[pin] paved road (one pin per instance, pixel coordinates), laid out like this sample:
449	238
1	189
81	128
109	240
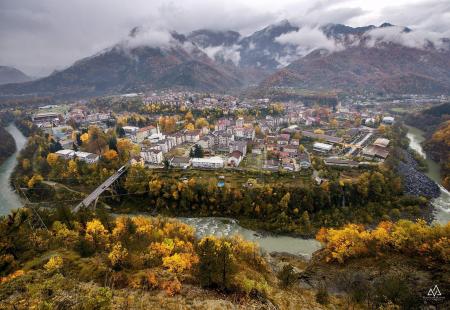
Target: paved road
99	190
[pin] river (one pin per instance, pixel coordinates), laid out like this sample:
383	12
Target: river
442	203
204	226
271	243
8	198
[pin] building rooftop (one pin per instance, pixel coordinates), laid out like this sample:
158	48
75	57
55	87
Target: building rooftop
212	160
65	152
322	146
381	142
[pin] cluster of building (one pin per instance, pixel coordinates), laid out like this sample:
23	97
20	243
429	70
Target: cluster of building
232	139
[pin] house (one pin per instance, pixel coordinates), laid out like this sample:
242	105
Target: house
66	154
208	162
304	160
282	140
180	162
375	152
248	133
193	135
177	138
152	155
223	138
131	130
235	158
143	133
87	157
258	149
295	142
388	120
381	142
206	142
223	124
322	147
238	145
289	166
50	117
164	145
292	150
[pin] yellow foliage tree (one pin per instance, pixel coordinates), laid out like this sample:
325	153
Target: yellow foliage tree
52	159
54	263
97	234
201	122
118	255
84	138
35	179
190	126
110	155
179	262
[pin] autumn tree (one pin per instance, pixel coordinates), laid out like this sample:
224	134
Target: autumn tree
110	155
216	262
35	179
201	122
118	255
125	149
52	159
137	179
97	140
97	235
190	126
55	263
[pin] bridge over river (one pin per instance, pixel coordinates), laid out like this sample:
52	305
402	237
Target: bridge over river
103	187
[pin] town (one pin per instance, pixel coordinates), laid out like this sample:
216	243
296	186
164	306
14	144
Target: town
279	136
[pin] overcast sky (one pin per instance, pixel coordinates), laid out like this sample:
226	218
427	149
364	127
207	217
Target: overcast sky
39	36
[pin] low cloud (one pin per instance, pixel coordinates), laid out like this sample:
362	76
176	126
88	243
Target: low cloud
225	53
151	37
415	39
307	39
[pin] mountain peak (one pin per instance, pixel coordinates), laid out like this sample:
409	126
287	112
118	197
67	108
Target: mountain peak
12	75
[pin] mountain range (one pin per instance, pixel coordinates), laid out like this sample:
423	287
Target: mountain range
383	59
12	75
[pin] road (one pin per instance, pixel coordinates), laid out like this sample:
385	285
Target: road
99	190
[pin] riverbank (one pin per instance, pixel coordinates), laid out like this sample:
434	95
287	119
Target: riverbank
9	200
441	204
7	145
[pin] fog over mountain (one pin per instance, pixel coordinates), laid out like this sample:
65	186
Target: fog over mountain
383	58
38	37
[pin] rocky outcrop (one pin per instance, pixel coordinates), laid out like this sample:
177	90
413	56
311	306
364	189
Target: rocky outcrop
415	182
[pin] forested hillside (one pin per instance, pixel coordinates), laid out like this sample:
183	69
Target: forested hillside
7	143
